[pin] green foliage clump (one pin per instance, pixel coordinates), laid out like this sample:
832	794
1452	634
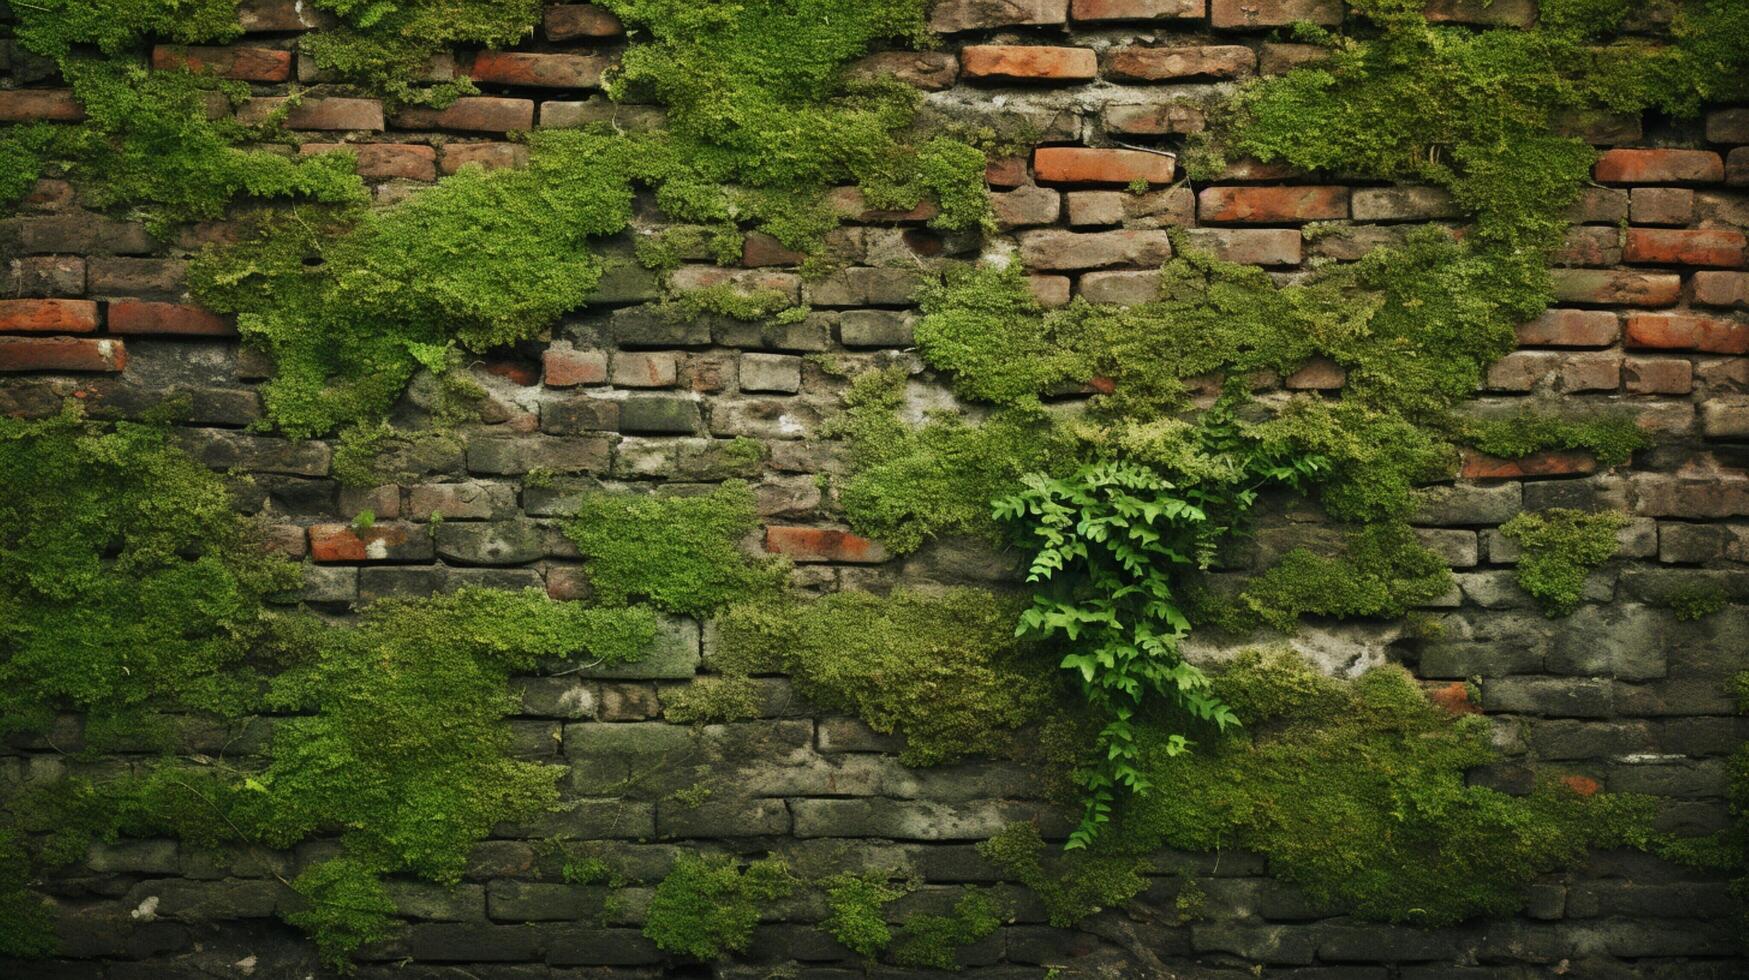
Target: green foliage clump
129	586
709	904
1560	547
26	925
1356	792
1612	439
1692	602
944	670
681	553
388	47
52	28
1071	886
370	455
351	305
345	907
928	940
1384	570
855	902
909	483
712	699
1475	112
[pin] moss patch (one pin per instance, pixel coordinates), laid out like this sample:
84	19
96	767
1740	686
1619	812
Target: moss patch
708	905
1560	547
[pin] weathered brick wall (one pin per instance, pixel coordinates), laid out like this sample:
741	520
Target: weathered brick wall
1651	290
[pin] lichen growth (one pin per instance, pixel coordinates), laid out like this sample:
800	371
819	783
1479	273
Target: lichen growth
1559	548
708	904
943	670
679	552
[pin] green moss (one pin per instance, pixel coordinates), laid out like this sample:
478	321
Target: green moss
1384	570
708	905
1692	602
856	918
129	587
1071	886
927	940
345	907
909	483
681	553
1356	792
943	670
1559	548
712	699
52	28
26	922
1612	439
388	47
371	455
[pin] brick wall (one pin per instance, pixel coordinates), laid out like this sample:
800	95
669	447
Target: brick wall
1653	282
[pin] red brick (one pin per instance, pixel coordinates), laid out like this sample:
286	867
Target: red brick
138	316
1616	287
1454	699
241	63
1080	165
1506	13
1155	118
1717	247
379	542
567	582
540	70
568	20
48	315
1571	328
1054	249
1658	375
1249	246
1721	288
1660	167
491	156
1006	172
1136	63
1481	466
481	114
563	367
1581	785
62	354
1661	206
761	250
325	114
1026	62
1271	205
382	161
1273	13
516	372
1675	331
811	544
952	16
31	105
1092	10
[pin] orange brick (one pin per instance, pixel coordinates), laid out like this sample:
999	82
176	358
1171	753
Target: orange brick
1660	167
1571	328
129	316
563	367
1717	247
326	114
818	544
540	70
240	63
1271	205
1481	466
48	315
1028	62
47	105
1675	331
382	161
1097	10
1080	165
480	114
62	354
